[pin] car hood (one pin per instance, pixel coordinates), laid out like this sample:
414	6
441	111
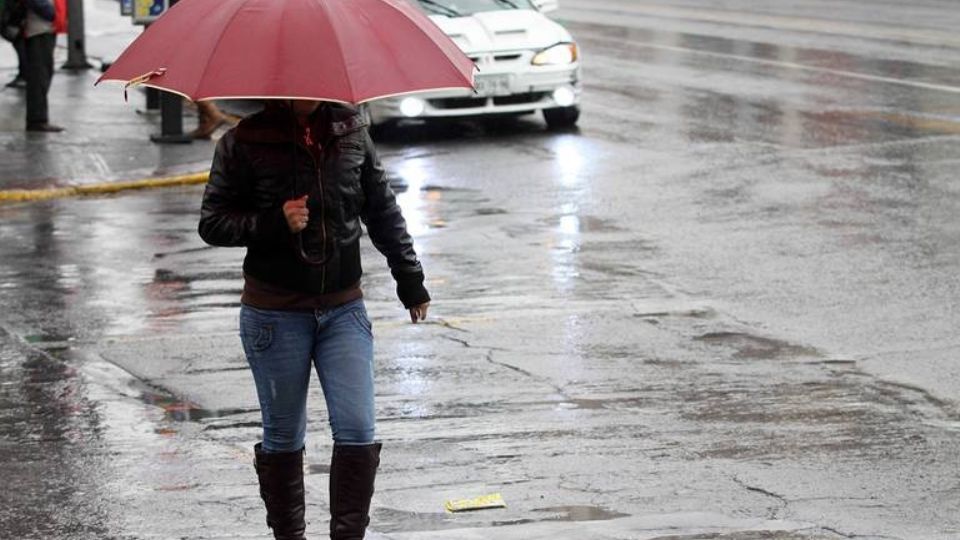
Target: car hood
506	30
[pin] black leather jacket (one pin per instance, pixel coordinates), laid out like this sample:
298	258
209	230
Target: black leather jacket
253	175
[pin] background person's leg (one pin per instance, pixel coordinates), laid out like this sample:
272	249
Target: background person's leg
39	75
20	81
20	45
49	45
36	87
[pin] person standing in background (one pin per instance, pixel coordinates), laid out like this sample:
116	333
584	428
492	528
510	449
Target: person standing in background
40	39
20	81
9	9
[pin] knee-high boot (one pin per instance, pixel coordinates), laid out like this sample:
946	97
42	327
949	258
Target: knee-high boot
281	488
352	472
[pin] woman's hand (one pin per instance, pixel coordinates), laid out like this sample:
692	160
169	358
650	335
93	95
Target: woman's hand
295	210
419	313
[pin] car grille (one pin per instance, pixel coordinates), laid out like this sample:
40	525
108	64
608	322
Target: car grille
517	99
458	103
474	102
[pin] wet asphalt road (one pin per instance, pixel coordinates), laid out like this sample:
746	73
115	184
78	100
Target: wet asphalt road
723	308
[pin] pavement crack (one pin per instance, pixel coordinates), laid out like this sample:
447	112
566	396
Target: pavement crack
529	374
854	535
469	345
838	533
775	513
447	324
463	342
556	388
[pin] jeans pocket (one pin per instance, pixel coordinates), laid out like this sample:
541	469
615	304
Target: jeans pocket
360	316
264	338
257	336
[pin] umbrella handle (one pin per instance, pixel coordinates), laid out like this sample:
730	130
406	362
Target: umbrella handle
301	253
306	258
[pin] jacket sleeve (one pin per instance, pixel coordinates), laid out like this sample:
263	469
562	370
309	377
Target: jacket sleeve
228	217
388	230
43	8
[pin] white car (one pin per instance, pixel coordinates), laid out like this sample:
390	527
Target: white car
526	62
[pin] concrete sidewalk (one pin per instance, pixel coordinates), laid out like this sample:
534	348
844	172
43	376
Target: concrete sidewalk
106	139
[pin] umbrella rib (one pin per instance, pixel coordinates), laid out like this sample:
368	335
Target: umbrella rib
216	48
336	39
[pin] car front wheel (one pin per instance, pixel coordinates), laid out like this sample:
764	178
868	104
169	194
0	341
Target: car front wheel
562	117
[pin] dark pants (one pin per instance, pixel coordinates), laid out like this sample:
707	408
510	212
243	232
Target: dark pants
21	47
39	74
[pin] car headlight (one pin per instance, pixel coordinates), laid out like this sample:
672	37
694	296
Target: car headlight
560	54
412	107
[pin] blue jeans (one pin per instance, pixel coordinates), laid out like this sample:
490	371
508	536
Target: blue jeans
282	346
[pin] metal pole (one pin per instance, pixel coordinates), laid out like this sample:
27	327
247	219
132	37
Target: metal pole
76	51
153	99
171	120
171	117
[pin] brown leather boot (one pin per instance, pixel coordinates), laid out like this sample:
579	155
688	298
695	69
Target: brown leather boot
210	118
281	488
352	472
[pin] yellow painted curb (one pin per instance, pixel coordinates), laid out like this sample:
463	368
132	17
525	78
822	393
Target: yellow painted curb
21	195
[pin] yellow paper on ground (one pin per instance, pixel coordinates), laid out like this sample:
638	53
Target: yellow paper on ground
493	500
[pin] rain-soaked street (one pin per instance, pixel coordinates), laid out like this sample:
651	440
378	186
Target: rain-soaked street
724	307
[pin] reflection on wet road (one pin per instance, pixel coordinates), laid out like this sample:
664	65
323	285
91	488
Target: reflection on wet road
53	468
724	304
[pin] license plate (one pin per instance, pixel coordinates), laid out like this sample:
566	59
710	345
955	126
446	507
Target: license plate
492	85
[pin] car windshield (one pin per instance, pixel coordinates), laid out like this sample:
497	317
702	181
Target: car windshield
464	8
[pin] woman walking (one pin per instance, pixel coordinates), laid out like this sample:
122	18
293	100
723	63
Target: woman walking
291	184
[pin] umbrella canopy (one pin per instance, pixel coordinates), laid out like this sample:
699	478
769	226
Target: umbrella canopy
349	51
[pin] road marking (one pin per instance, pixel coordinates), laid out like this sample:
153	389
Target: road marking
778	22
795	66
103	188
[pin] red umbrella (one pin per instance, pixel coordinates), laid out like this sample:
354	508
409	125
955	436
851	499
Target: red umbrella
349	51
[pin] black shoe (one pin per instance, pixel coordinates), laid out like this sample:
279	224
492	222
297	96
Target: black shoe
281	488
17	82
44	128
352	473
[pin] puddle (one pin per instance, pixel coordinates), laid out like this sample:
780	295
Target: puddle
391	520
434	188
582	224
489	211
187	251
40	339
184	411
615	403
580	513
750	347
695	313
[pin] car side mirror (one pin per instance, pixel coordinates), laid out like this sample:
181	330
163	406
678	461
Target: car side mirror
546	6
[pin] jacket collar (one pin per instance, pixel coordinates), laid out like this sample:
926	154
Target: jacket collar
276	125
